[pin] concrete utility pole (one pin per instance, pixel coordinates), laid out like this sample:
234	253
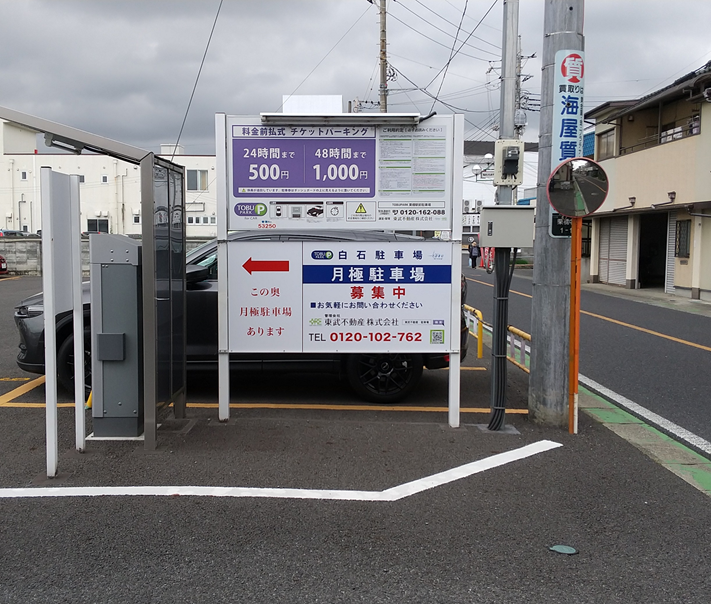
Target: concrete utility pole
548	381
507	106
384	60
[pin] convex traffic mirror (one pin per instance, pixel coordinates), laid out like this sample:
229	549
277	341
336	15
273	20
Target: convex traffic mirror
578	187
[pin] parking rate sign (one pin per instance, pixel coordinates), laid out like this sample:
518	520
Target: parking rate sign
334	177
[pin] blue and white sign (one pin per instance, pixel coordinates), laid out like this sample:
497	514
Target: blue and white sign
567	130
370	297
340	296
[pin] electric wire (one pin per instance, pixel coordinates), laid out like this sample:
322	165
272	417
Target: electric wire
459	28
452	54
420	33
502	282
430	94
192	94
466	39
324	59
451	23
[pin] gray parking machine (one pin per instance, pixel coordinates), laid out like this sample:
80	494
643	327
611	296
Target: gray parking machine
117	365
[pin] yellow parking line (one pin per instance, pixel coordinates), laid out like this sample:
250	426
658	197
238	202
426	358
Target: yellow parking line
33	405
8	279
349	407
20	390
14	379
643	329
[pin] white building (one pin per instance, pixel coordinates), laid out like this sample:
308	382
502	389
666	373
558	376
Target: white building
110	191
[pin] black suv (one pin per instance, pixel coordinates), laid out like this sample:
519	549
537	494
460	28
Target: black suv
376	377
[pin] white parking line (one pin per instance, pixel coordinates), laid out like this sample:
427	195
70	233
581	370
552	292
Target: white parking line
393	494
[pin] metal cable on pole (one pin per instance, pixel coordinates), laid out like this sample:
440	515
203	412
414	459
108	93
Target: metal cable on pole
504	197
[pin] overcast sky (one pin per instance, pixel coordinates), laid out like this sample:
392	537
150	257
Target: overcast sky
126	69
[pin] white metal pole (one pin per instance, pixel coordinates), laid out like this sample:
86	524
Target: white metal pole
78	312
223	213
458	125
49	324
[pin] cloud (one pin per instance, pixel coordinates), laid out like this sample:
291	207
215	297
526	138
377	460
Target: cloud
126	69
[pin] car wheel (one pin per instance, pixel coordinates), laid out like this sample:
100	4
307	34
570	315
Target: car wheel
65	364
384	378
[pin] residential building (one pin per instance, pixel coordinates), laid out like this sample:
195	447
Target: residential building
110	190
653	231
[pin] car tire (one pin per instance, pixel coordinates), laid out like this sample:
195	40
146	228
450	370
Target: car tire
65	364
384	378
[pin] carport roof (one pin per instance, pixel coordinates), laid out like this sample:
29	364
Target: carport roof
73	139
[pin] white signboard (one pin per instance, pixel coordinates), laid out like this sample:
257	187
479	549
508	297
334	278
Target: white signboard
567	130
340	296
265	296
339	177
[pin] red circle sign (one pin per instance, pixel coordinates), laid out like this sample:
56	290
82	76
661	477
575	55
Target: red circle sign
572	68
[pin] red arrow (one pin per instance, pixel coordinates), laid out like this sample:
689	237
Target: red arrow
266	266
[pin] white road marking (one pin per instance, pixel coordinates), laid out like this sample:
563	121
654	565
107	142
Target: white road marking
393	494
650	416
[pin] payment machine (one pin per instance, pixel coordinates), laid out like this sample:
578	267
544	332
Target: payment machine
117	365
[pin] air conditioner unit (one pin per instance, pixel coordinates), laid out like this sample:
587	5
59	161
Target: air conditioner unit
478	206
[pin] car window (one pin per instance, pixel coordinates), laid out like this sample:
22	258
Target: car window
210	261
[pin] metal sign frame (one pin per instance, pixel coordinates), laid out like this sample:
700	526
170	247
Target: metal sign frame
256	210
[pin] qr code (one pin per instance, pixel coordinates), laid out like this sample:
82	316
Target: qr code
437	336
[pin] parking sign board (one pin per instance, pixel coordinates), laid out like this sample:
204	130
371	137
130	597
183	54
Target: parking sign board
340	296
368	297
369	177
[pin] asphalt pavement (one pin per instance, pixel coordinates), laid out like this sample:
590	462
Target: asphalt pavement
310	496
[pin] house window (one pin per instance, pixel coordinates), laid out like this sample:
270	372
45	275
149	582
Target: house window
136	219
606	144
682	238
104	179
190	220
197	180
205	220
212	220
98	225
23	175
81	178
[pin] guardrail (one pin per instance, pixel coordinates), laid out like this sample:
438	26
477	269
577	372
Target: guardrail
517	347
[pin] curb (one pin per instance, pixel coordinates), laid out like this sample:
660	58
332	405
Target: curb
682	461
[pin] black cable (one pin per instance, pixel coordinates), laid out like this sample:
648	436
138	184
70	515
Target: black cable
502	283
452	55
205	54
459	27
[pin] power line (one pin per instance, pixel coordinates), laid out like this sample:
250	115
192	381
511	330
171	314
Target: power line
325	56
452	53
468	37
464	54
444	19
205	54
459	27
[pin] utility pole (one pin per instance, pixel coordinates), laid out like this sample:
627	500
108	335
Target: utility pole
507	106
548	381
384	61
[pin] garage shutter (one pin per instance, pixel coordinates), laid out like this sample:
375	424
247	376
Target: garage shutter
605	238
613	248
670	256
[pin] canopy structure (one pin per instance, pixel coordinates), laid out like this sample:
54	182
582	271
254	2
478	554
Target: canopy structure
163	259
